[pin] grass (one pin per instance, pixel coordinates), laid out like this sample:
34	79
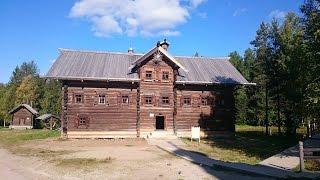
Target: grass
248	145
11	137
309	165
84	162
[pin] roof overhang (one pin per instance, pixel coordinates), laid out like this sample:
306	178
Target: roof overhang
211	83
91	78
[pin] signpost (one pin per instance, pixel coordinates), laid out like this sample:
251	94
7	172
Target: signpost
195	133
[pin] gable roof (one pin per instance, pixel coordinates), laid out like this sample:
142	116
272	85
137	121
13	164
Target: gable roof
113	66
28	107
47	116
164	52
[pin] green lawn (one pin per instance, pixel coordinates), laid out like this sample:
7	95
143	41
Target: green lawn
11	137
247	145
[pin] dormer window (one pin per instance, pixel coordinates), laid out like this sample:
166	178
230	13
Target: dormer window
148	74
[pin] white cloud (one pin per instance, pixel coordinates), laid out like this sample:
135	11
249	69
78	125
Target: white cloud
203	15
277	14
134	17
237	12
196	3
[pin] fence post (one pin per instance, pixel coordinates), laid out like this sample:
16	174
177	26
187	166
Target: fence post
301	156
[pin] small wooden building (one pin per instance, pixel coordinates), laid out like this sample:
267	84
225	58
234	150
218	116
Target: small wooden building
49	121
23	117
107	94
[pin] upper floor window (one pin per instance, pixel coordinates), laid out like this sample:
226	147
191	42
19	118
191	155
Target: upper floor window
78	98
125	99
82	121
165	75
204	101
102	99
165	100
148	99
148	74
186	101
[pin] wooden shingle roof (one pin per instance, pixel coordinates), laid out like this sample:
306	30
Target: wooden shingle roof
28	107
94	65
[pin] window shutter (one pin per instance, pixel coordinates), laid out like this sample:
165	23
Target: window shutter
181	101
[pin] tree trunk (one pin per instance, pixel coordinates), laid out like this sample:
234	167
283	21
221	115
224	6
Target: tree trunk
267	113
278	112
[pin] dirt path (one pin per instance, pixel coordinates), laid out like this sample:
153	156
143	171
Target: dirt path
101	159
13	167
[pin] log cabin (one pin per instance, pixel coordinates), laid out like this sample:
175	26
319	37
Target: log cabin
23	117
109	95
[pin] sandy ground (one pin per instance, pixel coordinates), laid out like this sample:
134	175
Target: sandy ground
120	159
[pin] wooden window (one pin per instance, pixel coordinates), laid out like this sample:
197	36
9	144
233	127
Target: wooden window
82	121
78	98
165	75
148	74
125	99
219	100
102	99
187	101
148	99
204	101
165	100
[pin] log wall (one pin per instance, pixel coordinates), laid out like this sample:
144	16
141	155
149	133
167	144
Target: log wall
22	117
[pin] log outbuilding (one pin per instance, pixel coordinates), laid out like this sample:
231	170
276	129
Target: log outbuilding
23	117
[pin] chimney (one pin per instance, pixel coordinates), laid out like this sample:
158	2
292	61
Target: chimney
164	44
130	51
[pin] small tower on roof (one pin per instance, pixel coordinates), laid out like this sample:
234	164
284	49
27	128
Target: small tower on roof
164	44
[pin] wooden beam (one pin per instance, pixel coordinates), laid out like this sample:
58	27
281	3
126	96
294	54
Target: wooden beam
64	123
138	110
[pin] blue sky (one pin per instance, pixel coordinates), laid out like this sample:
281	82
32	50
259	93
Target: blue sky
35	29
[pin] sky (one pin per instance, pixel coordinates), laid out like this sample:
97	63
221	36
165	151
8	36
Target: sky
36	29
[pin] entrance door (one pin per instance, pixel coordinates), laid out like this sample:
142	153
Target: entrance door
22	121
159	122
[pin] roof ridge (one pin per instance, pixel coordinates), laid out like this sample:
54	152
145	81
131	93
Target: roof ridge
204	57
95	51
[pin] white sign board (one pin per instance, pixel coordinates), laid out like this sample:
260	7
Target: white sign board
151	115
195	133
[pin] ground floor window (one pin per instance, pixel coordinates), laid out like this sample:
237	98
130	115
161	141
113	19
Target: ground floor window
82	121
148	100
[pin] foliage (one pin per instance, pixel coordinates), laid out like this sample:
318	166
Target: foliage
25	86
285	64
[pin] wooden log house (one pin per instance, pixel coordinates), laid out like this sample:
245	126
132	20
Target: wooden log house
107	95
23	117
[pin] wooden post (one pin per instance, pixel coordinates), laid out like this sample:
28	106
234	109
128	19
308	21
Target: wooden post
301	156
